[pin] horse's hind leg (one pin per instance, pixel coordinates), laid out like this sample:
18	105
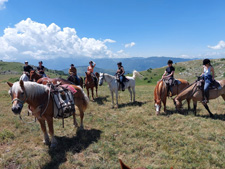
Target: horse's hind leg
92	92
81	115
43	128
51	132
112	99
223	96
195	107
96	89
207	108
188	102
87	92
130	94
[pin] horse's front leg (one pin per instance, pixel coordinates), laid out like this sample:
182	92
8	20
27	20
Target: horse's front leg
87	92
164	104
195	107
112	99
207	108
43	128
133	94
92	92
51	132
116	99
96	89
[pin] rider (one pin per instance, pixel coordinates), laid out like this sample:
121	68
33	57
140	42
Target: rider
27	68
41	69
120	72
73	72
169	76
91	70
208	76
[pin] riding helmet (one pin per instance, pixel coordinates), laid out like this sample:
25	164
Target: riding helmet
91	62
26	62
119	63
206	61
40	62
170	62
72	65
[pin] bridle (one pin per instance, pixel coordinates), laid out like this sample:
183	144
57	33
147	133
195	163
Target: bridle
21	101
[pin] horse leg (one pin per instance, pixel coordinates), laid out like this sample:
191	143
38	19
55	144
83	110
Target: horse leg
96	89
130	94
92	92
117	99
164	104
195	107
112	99
207	108
43	128
74	119
223	96
133	94
81	117
88	92
51	132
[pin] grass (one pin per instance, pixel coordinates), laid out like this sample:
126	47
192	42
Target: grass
132	132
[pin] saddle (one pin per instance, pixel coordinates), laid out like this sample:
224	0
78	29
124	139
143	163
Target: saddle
215	85
62	95
173	82
124	79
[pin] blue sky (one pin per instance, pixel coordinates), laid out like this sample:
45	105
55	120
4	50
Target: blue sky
177	28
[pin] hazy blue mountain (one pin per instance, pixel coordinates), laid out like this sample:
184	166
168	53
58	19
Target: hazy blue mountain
82	69
130	64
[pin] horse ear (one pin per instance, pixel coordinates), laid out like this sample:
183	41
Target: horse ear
21	84
10	84
123	166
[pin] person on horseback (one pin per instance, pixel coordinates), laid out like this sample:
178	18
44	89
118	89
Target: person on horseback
26	69
169	76
41	69
208	76
91	70
73	73
120	73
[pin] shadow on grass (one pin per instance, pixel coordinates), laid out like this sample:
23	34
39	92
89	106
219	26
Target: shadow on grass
100	100
215	116
75	144
184	112
136	103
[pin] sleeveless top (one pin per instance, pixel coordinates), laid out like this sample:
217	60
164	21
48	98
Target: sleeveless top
90	69
120	71
207	71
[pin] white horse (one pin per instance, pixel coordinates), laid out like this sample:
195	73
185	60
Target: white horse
24	77
114	85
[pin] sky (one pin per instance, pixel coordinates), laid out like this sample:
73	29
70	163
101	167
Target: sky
55	29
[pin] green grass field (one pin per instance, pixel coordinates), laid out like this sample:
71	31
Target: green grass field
132	133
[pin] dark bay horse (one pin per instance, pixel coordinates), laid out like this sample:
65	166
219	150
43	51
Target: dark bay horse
74	80
90	83
192	92
160	93
41	104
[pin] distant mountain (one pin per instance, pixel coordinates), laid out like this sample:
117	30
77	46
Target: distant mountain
130	64
82	69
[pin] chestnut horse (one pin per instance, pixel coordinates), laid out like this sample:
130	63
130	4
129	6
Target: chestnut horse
41	104
90	84
194	93
160	93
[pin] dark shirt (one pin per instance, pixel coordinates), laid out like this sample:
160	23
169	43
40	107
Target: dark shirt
27	68
120	70
40	69
169	70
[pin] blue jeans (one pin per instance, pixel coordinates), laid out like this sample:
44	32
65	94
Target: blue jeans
77	78
208	82
121	79
43	75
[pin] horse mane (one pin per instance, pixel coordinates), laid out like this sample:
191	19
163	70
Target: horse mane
185	91
32	89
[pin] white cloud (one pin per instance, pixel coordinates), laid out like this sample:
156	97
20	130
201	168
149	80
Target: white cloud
129	45
220	45
109	41
2	4
36	40
120	51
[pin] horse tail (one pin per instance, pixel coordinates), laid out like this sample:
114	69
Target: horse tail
136	74
85	100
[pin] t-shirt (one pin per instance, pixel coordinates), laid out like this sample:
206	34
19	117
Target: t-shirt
73	70
27	68
41	69
169	70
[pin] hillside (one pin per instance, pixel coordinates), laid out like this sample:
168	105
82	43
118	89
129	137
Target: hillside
132	132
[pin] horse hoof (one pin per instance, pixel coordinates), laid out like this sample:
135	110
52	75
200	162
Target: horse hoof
46	142
157	113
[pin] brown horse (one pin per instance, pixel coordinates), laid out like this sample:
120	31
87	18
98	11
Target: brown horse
34	76
74	80
41	104
160	93
194	93
90	84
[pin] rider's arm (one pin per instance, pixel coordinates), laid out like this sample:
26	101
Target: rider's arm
94	64
164	74
122	71
202	72
213	73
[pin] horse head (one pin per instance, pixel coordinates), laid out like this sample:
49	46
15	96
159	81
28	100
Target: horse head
177	103
101	78
18	96
32	74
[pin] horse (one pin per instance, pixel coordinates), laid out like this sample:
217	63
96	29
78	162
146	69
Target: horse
41	104
24	77
194	93
46	80
114	85
74	80
160	93
90	83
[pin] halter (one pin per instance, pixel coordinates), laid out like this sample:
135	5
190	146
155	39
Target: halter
21	101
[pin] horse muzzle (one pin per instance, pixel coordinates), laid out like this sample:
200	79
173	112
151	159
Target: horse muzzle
16	109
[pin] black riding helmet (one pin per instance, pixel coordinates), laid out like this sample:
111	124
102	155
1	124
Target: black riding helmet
170	62
119	63
206	61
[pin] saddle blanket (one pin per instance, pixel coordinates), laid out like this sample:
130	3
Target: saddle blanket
69	88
